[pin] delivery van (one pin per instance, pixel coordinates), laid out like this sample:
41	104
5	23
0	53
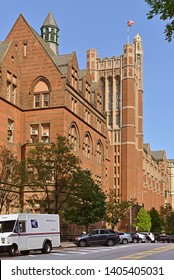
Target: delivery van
26	232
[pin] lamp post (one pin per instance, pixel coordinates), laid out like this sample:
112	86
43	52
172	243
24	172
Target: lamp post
130	208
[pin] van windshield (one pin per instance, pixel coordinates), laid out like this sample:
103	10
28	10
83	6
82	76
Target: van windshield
7	226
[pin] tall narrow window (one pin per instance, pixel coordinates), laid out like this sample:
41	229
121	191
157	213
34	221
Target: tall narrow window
87	149
74	137
34	133
10	130
45	129
25	49
110	92
99	152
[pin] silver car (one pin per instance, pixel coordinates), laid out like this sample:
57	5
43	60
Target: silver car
124	237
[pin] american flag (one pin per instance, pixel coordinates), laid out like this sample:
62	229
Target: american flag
130	23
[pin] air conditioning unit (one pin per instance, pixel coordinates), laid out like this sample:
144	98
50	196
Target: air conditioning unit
34	132
45	134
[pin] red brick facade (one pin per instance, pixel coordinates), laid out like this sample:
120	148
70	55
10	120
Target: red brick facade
42	94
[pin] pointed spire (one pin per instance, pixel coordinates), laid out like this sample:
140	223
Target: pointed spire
50	21
49	32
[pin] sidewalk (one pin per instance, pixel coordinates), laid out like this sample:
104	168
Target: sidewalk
67	244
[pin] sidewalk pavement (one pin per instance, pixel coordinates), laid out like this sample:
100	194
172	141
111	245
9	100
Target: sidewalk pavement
67	244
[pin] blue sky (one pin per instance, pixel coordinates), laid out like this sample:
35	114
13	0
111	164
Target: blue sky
103	25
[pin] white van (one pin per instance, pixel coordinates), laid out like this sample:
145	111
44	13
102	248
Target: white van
25	232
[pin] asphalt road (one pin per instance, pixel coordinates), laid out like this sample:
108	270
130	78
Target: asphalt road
140	251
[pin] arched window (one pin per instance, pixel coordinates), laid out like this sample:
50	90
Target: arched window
74	136
87	145
41	93
99	152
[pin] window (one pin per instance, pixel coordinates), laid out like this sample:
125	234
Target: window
103	92
73	104
87	115
11	87
10	130
88	91
45	128
34	133
74	137
110	94
74	77
41	93
87	146
99	152
37	100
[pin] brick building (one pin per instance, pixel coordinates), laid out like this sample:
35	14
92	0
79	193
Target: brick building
100	108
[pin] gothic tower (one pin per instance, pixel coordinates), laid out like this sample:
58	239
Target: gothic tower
121	80
49	32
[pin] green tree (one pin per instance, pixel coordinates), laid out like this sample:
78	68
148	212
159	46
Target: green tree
155	220
86	204
9	191
143	220
166	212
115	211
50	171
171	223
165	10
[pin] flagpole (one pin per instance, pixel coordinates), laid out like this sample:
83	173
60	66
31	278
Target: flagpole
128	34
129	24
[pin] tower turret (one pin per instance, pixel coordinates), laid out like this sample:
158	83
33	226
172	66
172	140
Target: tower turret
49	32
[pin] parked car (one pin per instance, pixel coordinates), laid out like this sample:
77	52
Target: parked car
135	237
149	236
172	238
157	237
124	237
142	237
164	238
98	237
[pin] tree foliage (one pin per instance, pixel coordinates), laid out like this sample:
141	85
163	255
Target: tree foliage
166	215
155	220
9	191
143	220
165	10
50	171
86	204
115	211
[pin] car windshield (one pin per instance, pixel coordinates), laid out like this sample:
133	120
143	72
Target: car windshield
7	226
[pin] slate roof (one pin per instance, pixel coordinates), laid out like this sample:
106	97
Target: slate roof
158	155
50	21
3	49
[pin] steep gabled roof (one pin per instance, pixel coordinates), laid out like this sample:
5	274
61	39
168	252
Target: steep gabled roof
3	50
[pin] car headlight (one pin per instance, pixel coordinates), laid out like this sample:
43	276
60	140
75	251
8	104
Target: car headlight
3	240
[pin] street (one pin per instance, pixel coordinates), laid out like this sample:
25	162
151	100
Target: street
140	251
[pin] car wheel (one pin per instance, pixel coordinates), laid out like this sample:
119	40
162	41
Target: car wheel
135	240
124	241
82	243
46	248
110	242
12	250
140	240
